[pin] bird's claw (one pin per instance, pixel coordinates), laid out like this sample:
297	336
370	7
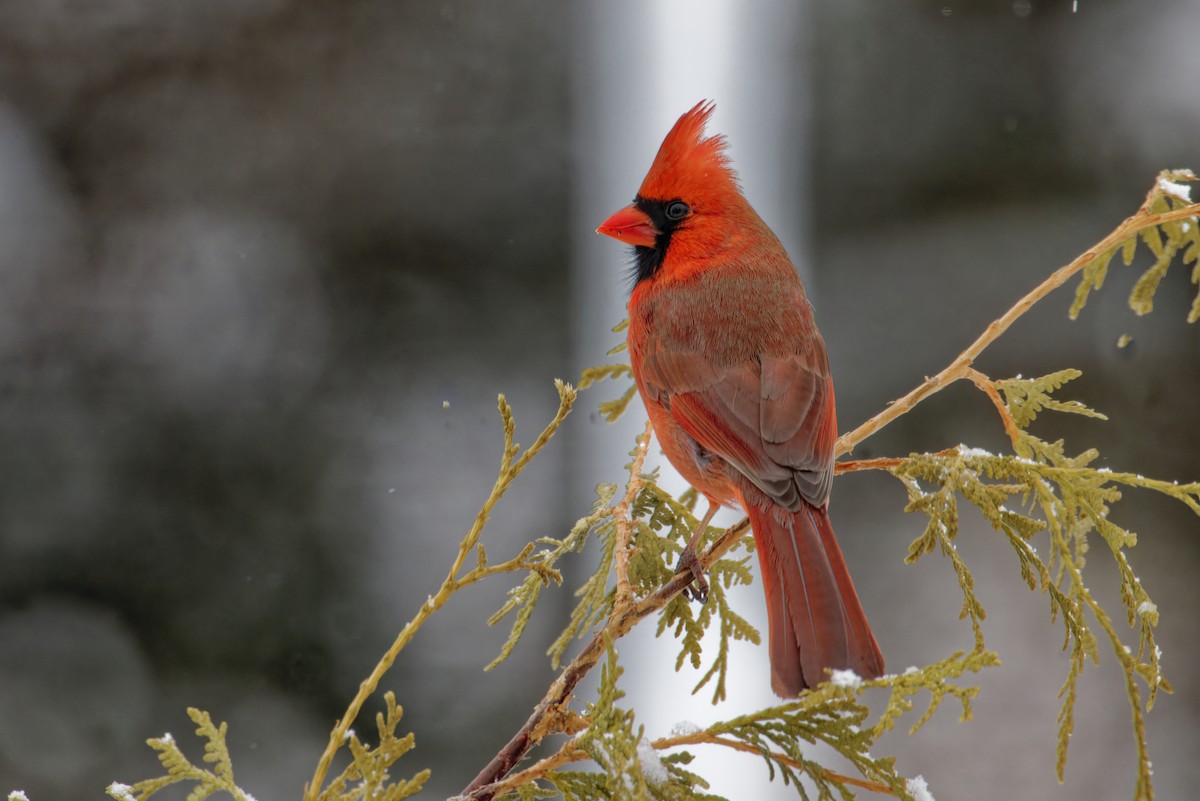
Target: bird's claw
697	590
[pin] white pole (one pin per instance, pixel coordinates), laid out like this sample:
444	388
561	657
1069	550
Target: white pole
639	65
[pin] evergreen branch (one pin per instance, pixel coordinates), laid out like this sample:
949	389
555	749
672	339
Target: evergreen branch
512	462
704	738
180	769
656	562
542	572
830	714
1074	498
367	777
531	732
1126	232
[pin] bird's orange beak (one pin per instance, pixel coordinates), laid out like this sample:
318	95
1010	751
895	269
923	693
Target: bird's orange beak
632	226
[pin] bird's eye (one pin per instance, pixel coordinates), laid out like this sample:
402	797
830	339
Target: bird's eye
677	210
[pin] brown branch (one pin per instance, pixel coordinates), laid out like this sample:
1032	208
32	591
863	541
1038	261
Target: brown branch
881	463
565	755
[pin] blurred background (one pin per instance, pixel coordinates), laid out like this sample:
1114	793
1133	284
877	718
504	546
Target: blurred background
266	264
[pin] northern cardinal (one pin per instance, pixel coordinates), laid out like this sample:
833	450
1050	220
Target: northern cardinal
734	376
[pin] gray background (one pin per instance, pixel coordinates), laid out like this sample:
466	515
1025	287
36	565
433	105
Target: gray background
248	249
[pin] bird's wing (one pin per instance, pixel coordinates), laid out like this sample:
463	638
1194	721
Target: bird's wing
772	418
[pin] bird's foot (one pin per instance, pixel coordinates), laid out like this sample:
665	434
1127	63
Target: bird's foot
697	590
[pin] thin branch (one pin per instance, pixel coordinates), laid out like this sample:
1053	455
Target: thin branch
958	368
881	463
564	756
623	519
988	387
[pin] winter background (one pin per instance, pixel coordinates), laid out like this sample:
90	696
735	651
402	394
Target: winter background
251	249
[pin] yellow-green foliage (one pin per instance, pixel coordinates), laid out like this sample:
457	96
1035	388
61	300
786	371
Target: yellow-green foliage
1037	496
1069	499
1164	241
660	554
180	769
368	777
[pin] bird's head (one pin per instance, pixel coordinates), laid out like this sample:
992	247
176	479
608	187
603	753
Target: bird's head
687	204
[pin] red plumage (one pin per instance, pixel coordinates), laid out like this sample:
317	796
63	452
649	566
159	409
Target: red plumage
736	381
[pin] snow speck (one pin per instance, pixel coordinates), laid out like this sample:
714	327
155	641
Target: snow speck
1181	191
445	404
118	790
969	453
1147	608
685	728
19	795
846	679
1187	226
1074	6
912	670
652	767
349	735
918	788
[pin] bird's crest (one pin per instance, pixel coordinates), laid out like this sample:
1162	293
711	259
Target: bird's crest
689	164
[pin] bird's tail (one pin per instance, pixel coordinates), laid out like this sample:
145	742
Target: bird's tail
814	617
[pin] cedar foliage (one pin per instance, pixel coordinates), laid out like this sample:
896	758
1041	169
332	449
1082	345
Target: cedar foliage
1040	490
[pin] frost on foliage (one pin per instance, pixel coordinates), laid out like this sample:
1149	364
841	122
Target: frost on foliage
1180	191
685	728
846	679
651	766
918	788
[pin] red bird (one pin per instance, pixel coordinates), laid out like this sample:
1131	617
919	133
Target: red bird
735	379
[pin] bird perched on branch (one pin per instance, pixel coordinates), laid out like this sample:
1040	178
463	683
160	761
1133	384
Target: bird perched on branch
734	376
